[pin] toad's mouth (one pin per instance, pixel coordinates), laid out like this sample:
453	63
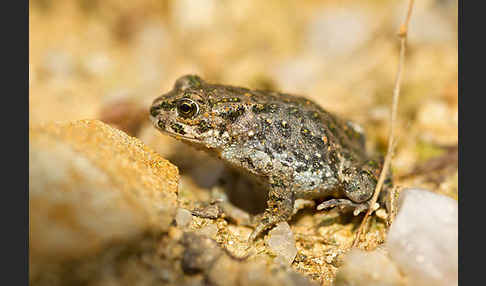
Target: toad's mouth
176	135
179	136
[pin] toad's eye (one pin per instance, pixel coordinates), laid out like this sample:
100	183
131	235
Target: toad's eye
187	108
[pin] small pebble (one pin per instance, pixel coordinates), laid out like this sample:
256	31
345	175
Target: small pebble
368	268
209	230
175	233
183	217
281	241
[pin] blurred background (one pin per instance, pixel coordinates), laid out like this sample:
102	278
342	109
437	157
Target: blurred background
109	59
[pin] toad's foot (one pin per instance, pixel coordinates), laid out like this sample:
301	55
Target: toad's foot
280	208
259	223
212	211
219	208
345	204
266	221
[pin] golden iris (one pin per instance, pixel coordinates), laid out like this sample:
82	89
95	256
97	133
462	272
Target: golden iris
187	108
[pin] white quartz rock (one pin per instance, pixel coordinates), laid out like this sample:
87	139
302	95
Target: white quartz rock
281	241
183	217
423	239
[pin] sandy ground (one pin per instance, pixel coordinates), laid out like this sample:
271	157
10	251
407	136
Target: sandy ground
109	59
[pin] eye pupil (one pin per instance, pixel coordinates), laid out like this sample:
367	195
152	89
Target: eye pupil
187	108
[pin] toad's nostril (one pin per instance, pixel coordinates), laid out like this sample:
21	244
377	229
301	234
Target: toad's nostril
161	124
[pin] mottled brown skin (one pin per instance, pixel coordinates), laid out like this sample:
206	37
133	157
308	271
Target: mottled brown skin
289	144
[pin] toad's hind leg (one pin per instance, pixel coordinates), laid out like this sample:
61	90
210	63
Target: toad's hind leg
280	208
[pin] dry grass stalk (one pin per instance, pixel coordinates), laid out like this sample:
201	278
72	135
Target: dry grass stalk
391	144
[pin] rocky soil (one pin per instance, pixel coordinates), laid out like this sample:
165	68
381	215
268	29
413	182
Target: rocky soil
111	198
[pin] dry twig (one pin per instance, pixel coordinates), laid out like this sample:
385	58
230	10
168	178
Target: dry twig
391	144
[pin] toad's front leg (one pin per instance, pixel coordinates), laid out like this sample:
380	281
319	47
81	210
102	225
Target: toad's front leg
280	207
344	204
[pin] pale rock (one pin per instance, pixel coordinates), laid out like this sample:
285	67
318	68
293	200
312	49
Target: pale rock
225	271
423	239
183	217
368	268
92	186
209	230
281	241
203	254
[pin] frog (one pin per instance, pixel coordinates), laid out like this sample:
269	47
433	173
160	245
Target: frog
287	143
